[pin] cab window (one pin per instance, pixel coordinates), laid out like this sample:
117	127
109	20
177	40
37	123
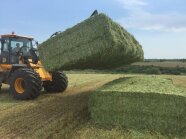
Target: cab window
20	44
5	46
14	44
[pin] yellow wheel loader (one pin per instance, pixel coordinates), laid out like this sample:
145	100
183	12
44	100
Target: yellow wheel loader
21	69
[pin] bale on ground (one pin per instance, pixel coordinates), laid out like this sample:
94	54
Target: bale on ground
96	43
151	103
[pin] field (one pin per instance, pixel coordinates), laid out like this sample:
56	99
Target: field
66	115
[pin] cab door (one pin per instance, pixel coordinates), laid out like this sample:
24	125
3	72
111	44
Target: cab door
5	54
14	58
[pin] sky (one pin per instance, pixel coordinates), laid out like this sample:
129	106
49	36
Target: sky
158	25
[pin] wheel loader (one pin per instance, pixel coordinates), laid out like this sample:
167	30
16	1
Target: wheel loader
22	70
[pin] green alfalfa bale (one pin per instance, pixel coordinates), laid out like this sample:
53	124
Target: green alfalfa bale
150	103
96	43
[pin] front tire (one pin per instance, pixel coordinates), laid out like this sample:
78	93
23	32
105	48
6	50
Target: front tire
25	84
59	83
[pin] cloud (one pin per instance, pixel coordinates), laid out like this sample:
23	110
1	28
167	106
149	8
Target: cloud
127	3
140	18
155	22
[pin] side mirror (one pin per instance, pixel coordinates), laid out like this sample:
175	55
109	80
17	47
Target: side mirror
37	43
34	56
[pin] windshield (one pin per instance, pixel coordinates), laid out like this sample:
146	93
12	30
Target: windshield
21	44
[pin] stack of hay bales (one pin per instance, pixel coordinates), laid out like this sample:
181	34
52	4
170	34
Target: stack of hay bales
151	103
96	43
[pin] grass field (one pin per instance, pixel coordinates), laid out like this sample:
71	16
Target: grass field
65	115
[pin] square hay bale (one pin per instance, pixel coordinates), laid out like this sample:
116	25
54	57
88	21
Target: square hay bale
151	103
96	43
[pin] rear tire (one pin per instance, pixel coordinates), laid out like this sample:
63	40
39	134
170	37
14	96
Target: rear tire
25	84
59	83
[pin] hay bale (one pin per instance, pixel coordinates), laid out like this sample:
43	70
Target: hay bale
96	43
151	103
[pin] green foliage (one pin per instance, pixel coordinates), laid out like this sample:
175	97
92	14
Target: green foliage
96	43
151	103
151	70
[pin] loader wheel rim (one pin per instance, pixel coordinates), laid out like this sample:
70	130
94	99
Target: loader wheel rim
19	85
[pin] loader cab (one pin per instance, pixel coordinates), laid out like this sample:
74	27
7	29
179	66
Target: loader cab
13	46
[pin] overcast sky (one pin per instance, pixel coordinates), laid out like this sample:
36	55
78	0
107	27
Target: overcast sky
159	25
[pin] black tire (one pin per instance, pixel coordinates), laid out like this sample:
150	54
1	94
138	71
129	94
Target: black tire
25	84
58	84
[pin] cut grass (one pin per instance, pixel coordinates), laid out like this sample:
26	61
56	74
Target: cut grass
89	131
65	115
96	43
50	113
151	103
